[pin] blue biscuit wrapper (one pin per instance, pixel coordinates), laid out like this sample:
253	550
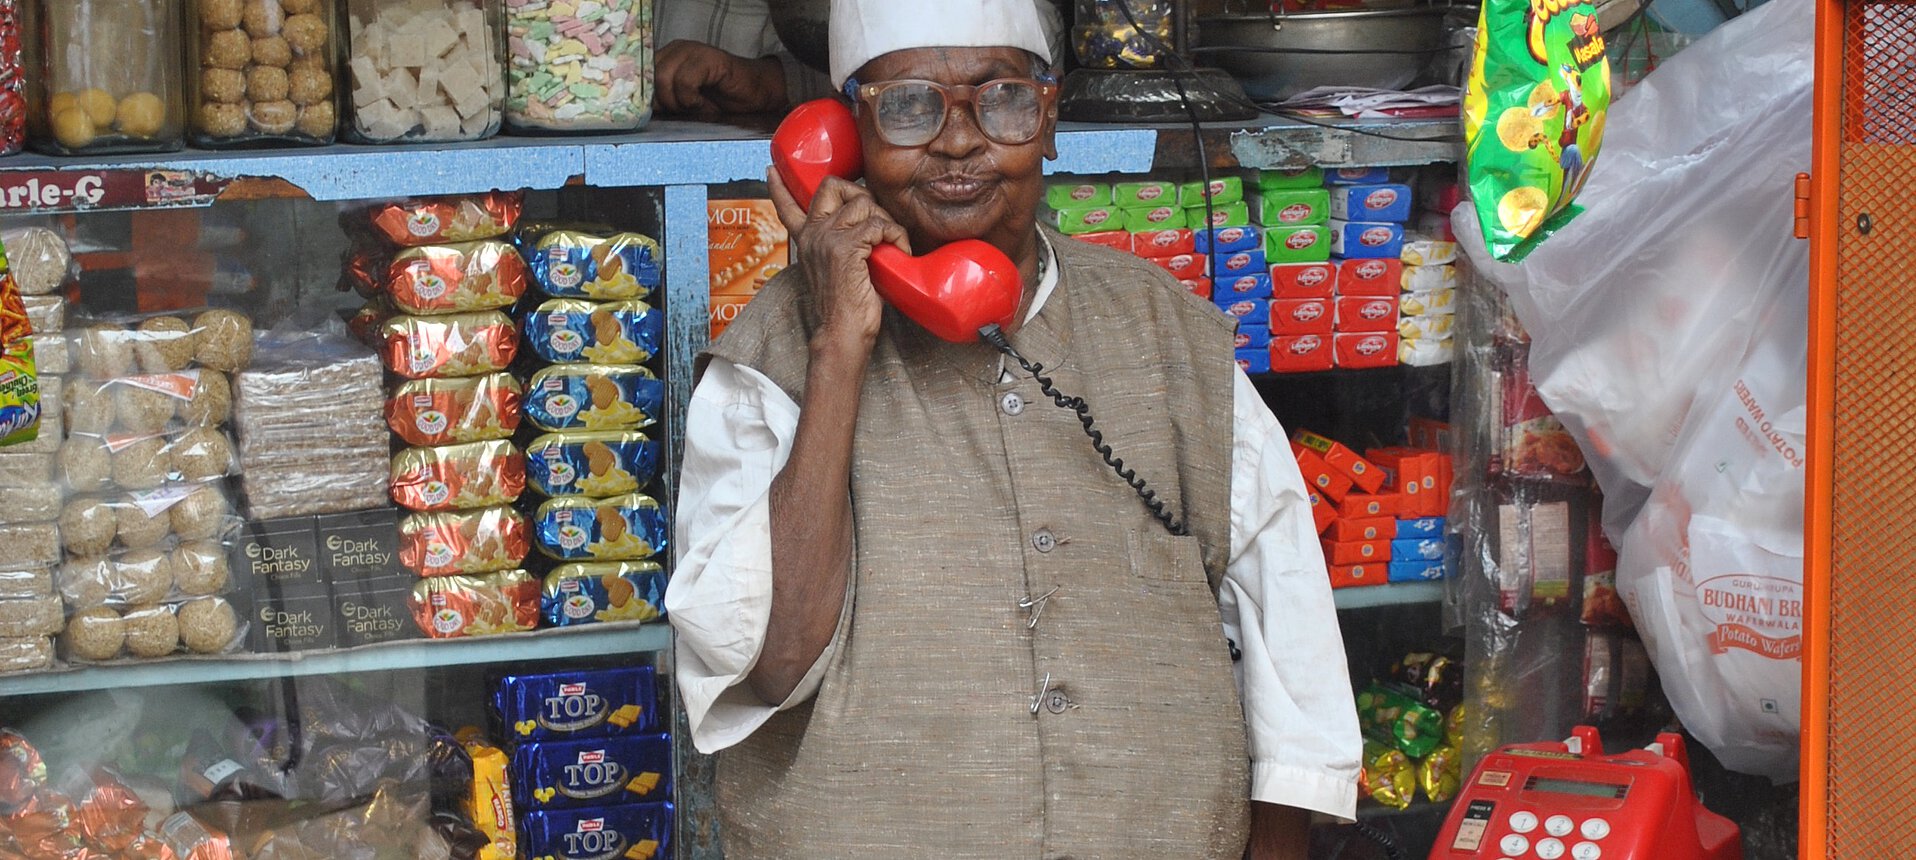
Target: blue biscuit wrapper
603	591
605	833
578	703
591	772
571	264
1426	527
1417	549
598	464
593	397
623	528
575	330
1416	570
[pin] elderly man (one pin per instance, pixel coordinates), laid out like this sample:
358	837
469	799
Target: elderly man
916	610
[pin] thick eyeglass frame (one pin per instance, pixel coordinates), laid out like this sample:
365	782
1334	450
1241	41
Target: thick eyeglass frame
866	96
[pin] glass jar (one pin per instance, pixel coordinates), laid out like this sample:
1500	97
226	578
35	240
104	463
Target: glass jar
264	72
1105	37
107	76
578	66
13	81
424	70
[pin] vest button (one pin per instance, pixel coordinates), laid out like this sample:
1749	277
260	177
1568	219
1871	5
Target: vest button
1057	702
1012	404
1043	540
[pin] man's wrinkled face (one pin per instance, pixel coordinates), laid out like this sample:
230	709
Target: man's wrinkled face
961	184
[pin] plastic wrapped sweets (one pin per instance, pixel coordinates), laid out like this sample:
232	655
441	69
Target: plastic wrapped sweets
471	276
437	220
312	438
216	339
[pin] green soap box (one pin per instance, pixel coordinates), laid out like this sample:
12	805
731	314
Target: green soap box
1090	219
1224	215
1224	190
1077	195
1143	195
1292	207
1306	244
1306	177
1166	217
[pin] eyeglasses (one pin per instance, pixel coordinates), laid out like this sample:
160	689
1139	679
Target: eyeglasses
911	112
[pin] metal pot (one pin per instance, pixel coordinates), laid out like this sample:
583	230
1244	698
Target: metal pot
805	28
1277	56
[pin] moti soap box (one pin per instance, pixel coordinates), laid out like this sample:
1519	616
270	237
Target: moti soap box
1372	277
1221	215
1256	286
1357	176
1224	240
569	330
1090	219
1254	360
1163	243
1310	244
591	772
1300	177
1304	281
746	245
1184	267
1154	218
589	593
1292	208
1365	350
1367	314
1371	203
1144	195
636	831
576	704
1224	190
1366	239
1300	353
1238	263
1250	336
1246	309
1077	195
1302	316
1116	239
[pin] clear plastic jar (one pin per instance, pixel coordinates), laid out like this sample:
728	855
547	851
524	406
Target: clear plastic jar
263	72
424	70
578	66
13	81
107	76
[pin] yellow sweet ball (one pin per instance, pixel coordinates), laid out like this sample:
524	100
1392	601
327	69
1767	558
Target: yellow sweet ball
73	128
100	106
60	102
141	115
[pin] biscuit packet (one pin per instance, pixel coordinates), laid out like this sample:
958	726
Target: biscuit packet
1533	117
19	380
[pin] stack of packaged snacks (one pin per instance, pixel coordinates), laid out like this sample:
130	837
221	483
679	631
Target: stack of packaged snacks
444	283
30	492
1428	306
146	462
591	400
1413	722
312	436
590	763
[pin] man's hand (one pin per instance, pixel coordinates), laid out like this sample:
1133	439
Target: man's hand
693	77
1278	833
834	243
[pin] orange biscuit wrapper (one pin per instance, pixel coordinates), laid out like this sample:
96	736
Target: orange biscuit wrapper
468	344
490	806
464	542
363	271
450	607
448	411
458	477
110	816
437	220
472	276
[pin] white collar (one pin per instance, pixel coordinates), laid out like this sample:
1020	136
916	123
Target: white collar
1047	277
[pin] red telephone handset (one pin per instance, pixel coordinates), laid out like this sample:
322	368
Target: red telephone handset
953	291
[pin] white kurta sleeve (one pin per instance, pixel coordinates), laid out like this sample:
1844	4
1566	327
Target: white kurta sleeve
738	435
1299	714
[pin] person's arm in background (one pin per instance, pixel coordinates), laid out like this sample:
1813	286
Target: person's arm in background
724	56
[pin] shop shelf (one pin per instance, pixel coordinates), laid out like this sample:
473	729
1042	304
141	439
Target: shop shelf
609	638
1389	594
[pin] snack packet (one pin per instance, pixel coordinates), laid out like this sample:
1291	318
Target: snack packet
19	382
1533	117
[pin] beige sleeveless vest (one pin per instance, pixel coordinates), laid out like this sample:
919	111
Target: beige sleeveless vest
970	497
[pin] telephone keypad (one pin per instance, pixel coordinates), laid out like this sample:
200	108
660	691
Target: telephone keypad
1514	845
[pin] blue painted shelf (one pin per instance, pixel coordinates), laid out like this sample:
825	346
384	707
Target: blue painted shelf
1389	594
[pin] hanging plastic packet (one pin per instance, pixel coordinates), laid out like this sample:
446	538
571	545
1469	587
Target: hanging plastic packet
1533	117
19	383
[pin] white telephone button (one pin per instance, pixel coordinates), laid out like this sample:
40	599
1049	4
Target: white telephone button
1585	851
1596	828
1559	825
1523	822
1514	845
1549	849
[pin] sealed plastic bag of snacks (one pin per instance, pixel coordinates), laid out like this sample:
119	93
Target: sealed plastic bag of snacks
1105	36
1533	117
19	381
216	339
623	528
574	264
438	220
25	653
424	70
41	615
464	542
448	607
563	331
467	344
469	276
202	625
598	464
603	591
90	526
458	477
262	72
107	76
162	573
148	405
362	269
92	463
1387	776
447	411
593	397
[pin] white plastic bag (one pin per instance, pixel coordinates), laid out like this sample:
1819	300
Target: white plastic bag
1667	327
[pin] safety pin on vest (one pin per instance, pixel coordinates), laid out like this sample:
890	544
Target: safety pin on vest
1035	607
1037	702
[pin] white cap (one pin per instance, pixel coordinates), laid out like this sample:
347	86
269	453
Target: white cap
864	30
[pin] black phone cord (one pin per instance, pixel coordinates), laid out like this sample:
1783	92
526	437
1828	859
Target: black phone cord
1377	836
991	334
